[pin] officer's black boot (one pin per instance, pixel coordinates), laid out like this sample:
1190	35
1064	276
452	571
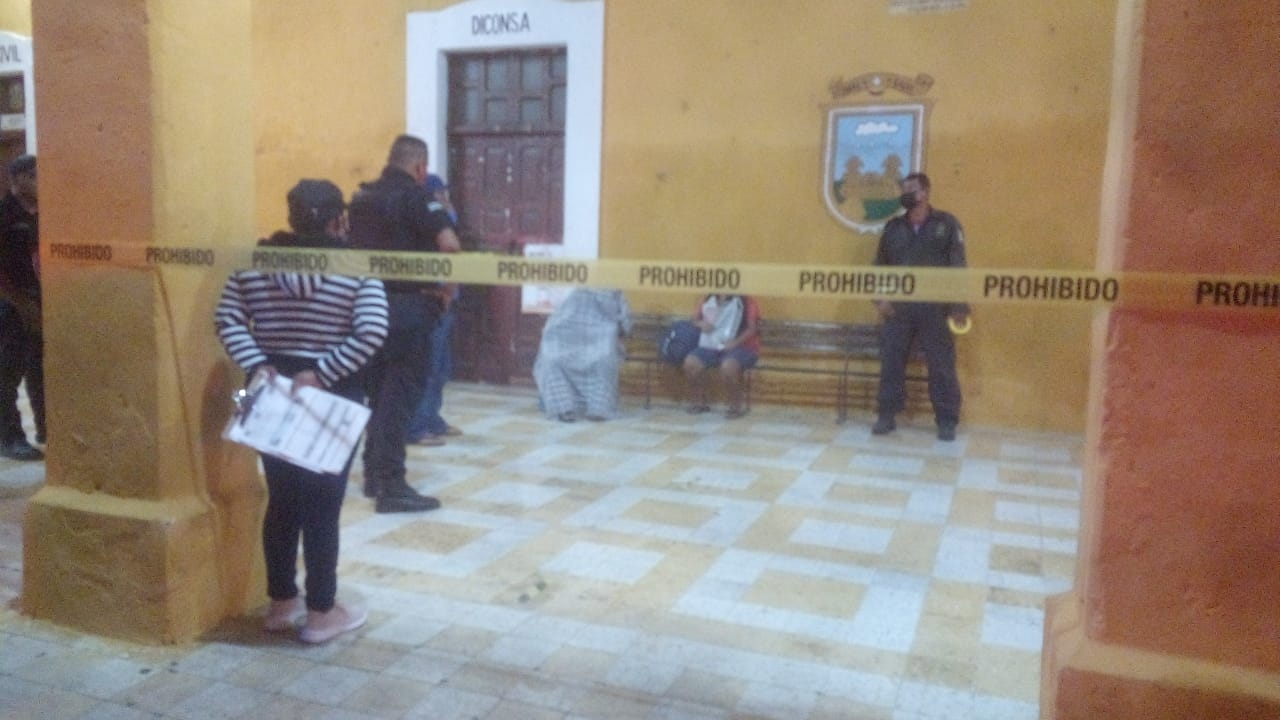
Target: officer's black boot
399	497
884	425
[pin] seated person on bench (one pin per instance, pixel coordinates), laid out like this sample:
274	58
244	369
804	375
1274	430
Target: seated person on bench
581	354
730	340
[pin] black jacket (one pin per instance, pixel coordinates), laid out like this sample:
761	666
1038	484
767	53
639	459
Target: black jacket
394	213
19	245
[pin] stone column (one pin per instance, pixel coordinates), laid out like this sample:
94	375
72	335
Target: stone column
146	527
1176	608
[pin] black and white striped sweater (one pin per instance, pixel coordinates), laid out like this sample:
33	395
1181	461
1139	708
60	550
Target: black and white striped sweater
339	322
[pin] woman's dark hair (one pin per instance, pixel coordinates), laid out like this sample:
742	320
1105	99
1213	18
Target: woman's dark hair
313	204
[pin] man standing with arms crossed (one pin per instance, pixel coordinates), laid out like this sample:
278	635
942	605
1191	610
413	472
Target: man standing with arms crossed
922	237
394	213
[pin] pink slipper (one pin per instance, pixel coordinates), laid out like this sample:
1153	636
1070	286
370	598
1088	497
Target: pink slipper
325	626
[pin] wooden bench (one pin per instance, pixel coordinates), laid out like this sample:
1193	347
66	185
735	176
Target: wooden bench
642	348
828	363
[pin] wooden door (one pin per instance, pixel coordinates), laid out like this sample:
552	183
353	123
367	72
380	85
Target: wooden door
506	115
512	190
506	144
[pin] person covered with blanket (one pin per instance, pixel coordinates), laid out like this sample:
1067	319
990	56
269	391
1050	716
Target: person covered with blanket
321	331
581	354
730	340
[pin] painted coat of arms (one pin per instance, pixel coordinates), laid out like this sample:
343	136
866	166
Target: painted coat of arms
870	148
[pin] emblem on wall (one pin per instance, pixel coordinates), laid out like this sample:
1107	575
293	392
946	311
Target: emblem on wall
871	146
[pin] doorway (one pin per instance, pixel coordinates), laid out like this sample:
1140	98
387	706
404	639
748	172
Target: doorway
506	149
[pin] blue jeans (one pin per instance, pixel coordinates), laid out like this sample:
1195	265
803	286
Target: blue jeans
426	418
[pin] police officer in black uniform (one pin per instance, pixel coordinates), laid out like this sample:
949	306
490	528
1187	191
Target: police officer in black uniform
395	213
923	236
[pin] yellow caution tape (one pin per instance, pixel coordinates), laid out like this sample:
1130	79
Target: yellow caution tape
925	284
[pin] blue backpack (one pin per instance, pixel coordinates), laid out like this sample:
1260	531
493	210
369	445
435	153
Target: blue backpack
678	341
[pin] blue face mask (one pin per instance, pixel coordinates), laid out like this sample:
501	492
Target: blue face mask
908	200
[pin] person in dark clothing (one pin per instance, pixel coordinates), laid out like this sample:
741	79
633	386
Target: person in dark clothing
922	237
21	336
395	213
320	331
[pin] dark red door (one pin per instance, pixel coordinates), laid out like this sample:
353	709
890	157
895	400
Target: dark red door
506	169
506	144
511	187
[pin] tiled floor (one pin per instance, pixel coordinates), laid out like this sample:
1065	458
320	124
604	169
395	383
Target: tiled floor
660	566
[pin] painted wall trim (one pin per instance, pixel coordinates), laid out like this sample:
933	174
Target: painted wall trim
474	26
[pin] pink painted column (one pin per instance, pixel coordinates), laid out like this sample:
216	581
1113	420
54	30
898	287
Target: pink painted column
1176	608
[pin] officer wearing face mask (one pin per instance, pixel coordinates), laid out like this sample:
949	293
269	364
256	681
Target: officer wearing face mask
923	236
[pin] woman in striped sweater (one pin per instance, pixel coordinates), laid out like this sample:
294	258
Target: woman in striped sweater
319	330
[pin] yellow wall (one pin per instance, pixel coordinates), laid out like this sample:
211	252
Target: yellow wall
714	116
329	94
713	144
713	132
15	16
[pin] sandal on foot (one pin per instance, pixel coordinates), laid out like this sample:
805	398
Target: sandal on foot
734	413
698	409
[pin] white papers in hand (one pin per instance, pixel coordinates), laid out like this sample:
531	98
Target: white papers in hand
312	429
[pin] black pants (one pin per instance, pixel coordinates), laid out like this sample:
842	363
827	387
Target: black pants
307	504
21	356
396	380
925	323
303	505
